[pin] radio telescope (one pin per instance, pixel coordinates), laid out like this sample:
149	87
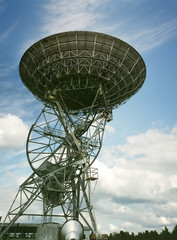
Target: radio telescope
80	77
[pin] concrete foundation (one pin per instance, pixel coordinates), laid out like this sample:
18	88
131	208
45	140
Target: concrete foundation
48	231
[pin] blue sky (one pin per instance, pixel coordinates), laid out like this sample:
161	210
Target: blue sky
137	188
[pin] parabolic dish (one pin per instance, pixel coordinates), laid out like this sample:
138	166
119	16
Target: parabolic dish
76	64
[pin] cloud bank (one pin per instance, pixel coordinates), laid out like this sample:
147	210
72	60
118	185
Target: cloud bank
138	183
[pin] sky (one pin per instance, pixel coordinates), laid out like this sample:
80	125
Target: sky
137	186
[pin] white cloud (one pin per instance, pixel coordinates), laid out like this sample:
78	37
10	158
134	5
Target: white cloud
110	129
5	69
19	101
67	15
2	5
6	33
154	148
7	197
152	36
113	228
10	182
137	184
13	131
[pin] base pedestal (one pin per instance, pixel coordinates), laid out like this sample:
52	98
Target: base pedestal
48	231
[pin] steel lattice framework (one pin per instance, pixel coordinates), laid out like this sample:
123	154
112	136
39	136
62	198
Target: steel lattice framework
80	77
78	63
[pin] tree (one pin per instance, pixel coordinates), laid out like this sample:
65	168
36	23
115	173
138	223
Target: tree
165	234
174	233
123	235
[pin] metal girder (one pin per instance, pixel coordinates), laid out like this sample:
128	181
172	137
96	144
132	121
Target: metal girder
61	148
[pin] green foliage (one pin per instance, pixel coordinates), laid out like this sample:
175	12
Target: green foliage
147	235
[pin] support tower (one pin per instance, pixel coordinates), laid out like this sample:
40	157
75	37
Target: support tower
80	77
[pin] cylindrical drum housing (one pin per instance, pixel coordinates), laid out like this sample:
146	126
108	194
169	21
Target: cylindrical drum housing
72	230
